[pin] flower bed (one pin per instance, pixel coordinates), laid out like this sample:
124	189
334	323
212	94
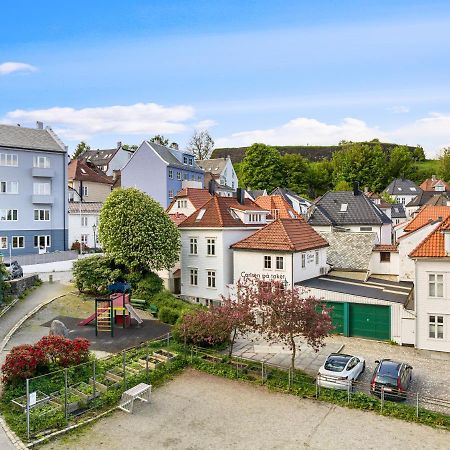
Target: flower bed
86	390
75	400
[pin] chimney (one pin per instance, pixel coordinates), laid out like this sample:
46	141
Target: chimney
433	177
240	195
119	144
356	188
174	145
211	189
447	242
39	125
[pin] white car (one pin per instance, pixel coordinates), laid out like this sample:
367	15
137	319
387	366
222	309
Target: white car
339	371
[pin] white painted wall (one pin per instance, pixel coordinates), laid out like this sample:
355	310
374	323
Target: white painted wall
376	266
118	161
228	175
76	229
311	269
178	208
426	305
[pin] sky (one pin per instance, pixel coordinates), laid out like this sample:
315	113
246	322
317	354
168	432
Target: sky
282	73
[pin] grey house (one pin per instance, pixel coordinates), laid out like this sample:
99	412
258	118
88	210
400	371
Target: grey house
33	191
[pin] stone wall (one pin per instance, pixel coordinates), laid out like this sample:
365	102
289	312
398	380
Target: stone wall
16	288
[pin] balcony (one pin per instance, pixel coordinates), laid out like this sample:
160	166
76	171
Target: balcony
42	173
42	199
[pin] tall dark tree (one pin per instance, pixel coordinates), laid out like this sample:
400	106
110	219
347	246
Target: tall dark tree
201	144
80	149
401	163
160	139
296	170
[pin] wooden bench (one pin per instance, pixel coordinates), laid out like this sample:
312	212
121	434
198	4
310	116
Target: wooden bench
141	391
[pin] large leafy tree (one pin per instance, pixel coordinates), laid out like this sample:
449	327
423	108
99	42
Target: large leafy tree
136	232
80	149
401	163
262	168
201	144
320	178
296	170
444	164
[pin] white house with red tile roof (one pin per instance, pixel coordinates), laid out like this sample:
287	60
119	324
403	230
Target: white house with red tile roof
188	200
435	184
206	237
286	250
279	208
432	289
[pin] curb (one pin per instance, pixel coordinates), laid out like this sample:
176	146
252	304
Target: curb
16	442
5	310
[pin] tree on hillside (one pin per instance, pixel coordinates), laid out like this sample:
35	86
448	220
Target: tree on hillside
320	178
201	144
444	164
262	168
296	170
401	163
81	148
136	231
160	139
418	154
342	185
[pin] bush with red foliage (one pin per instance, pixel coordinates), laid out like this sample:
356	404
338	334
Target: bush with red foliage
22	362
64	352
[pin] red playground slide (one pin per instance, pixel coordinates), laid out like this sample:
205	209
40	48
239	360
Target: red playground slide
117	303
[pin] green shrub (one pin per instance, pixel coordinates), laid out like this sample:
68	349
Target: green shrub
146	286
168	315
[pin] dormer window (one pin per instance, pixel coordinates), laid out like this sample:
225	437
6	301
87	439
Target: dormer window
413	189
185	159
344	207
191	161
399	188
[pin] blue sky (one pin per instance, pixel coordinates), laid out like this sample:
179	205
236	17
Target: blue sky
285	72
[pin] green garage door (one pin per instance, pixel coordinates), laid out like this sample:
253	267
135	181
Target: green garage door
337	316
371	321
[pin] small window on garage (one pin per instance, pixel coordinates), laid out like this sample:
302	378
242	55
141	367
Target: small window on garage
385	256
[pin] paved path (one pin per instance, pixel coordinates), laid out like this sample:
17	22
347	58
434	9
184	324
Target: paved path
201	411
19	310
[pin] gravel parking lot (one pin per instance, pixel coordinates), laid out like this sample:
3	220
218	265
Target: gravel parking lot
200	411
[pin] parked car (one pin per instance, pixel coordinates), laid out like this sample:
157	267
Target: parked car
394	377
339	371
14	270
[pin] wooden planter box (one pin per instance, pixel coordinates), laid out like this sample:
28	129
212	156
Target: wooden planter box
153	363
100	387
86	391
21	402
213	359
164	355
72	404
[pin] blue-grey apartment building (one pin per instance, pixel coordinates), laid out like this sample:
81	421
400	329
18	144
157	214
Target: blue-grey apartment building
33	191
160	171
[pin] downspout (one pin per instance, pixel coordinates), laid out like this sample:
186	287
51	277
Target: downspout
292	270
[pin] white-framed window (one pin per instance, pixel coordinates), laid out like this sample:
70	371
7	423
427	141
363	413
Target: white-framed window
84	221
279	263
211	278
317	258
178	175
435	285
170	194
193	277
85	191
9	160
436	327
191	161
193	246
9	215
9	187
211	246
3	242
199	178
42	241
41	188
18	242
185	176
42	214
303	260
185	159
275	213
267	262
344	207
365	228
42	162
84	239
171	174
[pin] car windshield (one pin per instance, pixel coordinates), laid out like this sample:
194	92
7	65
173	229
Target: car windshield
336	363
388	373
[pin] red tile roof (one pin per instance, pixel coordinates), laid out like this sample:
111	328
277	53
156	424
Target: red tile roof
278	206
198	197
426	214
433	245
216	213
291	235
79	170
177	218
385	248
430	183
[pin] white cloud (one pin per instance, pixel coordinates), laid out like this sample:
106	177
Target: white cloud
432	132
207	123
398	109
140	118
11	67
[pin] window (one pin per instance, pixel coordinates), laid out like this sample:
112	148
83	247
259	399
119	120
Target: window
280	263
317	258
303	260
185	159
344	207
211	246
42	214
84	239
435	285
365	228
191	161
18	242
9	187
211	278
436	327
8	214
85	191
193	277
402	200
275	213
185	176
267	262
3	242
43	162
171	174
199	178
385	256
42	241
170	194
193	249
41	188
8	160
84	221
178	175
192	177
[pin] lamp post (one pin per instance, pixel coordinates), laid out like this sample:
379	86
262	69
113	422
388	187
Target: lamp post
94	229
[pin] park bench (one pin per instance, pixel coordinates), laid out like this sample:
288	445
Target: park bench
141	391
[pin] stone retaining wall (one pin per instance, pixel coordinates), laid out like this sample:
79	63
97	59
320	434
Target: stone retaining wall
16	288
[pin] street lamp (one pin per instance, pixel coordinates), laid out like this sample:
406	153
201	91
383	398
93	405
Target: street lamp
94	229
